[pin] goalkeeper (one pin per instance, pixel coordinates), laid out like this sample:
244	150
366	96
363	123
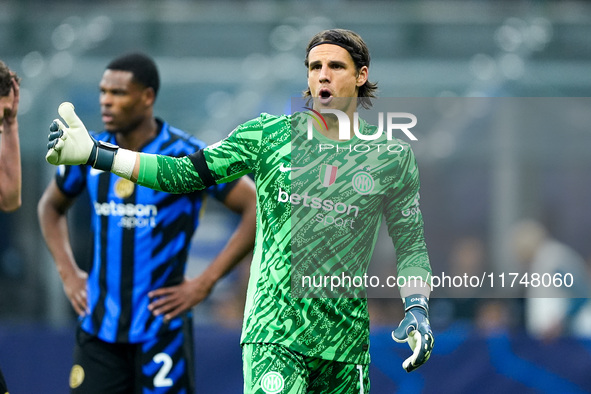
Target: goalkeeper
294	344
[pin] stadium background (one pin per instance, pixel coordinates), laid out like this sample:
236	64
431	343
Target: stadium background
224	62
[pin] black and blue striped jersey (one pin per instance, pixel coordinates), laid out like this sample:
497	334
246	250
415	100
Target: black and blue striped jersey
141	240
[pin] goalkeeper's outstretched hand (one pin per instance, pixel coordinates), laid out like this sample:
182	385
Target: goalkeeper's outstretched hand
415	329
68	145
74	145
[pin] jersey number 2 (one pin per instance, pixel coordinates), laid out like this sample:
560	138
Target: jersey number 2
160	380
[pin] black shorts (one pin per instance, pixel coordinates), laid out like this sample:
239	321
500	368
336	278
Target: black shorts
163	365
3	388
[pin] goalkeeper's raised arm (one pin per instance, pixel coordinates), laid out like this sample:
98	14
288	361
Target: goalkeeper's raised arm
73	145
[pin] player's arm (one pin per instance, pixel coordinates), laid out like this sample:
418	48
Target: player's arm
51	211
174	300
73	145
405	225
10	157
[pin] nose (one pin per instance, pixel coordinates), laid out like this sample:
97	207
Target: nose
324	74
105	99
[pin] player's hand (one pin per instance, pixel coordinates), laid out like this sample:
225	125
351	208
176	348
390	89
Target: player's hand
68	145
174	300
415	329
75	289
10	113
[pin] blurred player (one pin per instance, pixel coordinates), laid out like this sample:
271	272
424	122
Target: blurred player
135	331
294	344
551	312
10	157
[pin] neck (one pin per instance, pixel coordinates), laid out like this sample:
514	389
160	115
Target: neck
348	107
333	131
135	139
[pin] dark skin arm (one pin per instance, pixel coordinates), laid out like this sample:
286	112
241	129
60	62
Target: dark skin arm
51	210
174	300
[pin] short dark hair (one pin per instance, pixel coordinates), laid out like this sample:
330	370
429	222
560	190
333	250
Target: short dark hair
358	50
142	67
6	77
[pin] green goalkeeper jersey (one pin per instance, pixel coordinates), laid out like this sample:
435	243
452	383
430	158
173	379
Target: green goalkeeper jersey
320	204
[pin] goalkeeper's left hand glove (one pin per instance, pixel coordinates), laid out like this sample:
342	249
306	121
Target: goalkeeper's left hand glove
416	330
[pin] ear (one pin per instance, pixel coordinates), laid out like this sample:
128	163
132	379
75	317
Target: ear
149	96
362	76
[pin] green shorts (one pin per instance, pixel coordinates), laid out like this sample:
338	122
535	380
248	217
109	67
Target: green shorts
273	369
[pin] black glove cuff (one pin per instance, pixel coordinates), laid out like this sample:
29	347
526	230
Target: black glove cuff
416	300
102	155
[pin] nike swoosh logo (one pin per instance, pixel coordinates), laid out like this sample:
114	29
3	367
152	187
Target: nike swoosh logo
282	168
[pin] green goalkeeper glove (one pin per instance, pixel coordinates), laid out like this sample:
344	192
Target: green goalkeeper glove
73	145
416	330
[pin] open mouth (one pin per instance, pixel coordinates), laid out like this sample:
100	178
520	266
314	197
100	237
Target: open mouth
325	96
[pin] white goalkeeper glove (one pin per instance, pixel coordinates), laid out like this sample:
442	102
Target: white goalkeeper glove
415	329
73	145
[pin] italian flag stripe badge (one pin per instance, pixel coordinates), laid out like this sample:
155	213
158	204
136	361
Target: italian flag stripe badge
328	174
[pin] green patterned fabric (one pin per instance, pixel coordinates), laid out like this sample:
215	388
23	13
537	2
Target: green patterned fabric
271	368
320	205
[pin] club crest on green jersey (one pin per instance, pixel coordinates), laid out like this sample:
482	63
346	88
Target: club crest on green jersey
272	382
363	182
